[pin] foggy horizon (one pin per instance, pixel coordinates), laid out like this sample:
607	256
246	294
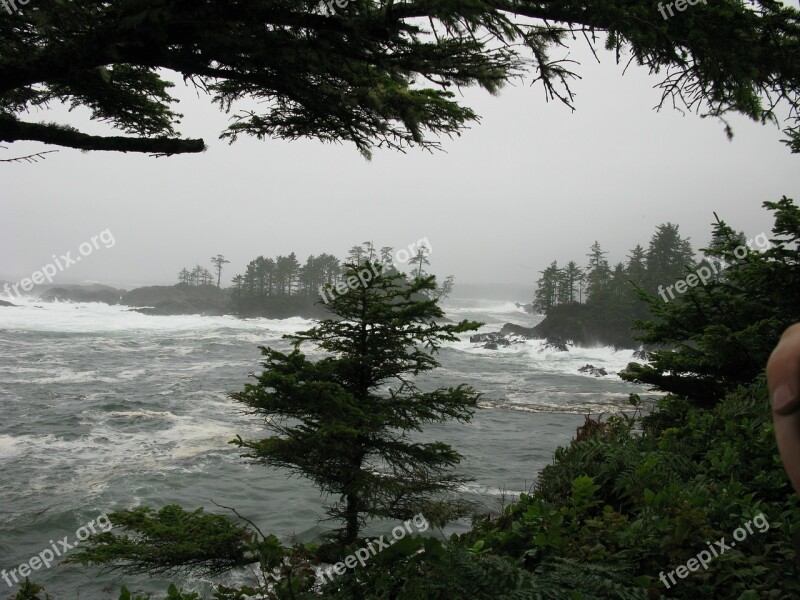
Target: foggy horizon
498	204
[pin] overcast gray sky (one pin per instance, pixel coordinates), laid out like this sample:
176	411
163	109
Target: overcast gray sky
532	183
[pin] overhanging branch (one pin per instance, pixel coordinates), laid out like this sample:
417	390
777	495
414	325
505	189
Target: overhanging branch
13	130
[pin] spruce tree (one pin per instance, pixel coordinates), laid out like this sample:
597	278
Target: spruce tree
546	296
346	421
719	333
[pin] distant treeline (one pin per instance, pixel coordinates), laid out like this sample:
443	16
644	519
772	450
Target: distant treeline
284	278
598	303
664	261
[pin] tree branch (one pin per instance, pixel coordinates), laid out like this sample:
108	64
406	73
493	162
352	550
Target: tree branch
13	130
30	158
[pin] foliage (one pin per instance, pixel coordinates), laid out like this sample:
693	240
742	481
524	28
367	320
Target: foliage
374	73
344	420
718	336
31	591
629	500
172	540
645	494
599	304
271	283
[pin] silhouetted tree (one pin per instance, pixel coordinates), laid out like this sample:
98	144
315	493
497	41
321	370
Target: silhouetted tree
218	261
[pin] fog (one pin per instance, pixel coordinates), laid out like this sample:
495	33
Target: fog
532	183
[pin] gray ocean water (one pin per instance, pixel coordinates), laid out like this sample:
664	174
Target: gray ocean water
103	409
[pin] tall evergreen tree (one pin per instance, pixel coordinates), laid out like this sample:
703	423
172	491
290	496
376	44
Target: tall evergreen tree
421	260
619	284
637	265
668	257
547	289
197	275
598	272
443	291
184	277
387	255
218	261
569	289
345	421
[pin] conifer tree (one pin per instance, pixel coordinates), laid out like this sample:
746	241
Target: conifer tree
346	421
547	289
219	261
720	332
571	275
598	272
420	259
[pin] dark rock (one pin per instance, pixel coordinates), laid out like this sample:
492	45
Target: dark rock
592	370
179	300
81	293
4	303
490	346
558	343
485	337
496	338
518	331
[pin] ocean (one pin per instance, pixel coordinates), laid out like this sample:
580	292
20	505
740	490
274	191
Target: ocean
105	409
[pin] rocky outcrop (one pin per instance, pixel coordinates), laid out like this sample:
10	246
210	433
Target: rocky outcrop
592	370
480	338
4	303
574	324
179	300
81	293
527	333
509	334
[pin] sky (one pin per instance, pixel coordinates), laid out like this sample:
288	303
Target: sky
532	183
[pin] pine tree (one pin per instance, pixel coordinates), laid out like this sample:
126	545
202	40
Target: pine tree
547	289
184	277
637	265
668	257
345	421
197	275
443	291
387	255
598	272
719	334
218	261
569	289
420	259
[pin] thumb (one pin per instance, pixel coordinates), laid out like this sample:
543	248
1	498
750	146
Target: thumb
783	377
783	373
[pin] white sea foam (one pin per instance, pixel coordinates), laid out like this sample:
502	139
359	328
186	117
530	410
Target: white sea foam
98	318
